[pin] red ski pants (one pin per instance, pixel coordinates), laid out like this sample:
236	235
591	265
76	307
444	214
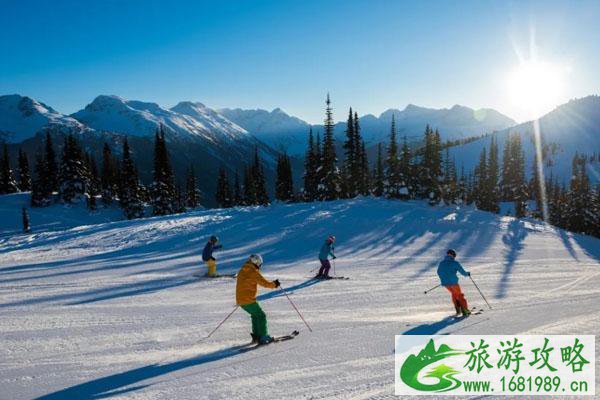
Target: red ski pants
458	298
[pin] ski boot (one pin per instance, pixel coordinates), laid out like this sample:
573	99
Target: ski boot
458	310
255	338
265	339
466	312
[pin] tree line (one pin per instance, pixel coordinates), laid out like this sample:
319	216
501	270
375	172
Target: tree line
399	171
74	176
426	172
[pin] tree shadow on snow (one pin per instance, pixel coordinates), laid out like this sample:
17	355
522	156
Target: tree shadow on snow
514	240
432	328
112	385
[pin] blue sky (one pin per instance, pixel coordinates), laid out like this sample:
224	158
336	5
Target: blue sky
371	55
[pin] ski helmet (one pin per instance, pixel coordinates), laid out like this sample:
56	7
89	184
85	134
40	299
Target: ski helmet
214	239
256	259
451	252
331	239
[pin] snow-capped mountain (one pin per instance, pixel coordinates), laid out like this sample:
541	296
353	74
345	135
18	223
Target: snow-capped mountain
453	123
21	117
277	128
186	121
197	135
570	128
289	133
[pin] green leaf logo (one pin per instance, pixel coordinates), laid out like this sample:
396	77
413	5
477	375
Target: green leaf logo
413	365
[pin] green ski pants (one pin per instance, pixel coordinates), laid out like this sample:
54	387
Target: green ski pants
259	319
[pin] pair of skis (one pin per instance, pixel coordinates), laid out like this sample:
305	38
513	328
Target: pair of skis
474	311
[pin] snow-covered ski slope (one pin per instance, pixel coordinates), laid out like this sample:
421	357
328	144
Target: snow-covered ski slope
113	311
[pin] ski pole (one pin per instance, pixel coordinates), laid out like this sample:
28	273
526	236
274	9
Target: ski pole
429	290
484	299
222	322
295	308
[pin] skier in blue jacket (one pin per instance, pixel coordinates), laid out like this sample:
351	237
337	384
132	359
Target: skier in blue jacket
207	255
326	251
447	270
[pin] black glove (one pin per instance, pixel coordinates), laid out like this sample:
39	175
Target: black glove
468	273
276	282
334	257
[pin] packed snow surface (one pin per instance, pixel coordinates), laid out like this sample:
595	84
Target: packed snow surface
112	310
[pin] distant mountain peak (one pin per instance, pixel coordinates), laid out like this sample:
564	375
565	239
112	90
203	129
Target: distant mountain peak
21	117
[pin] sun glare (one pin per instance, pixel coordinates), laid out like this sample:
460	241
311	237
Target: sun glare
536	86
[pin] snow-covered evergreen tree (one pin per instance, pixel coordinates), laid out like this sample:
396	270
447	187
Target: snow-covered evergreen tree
129	188
163	186
73	172
329	174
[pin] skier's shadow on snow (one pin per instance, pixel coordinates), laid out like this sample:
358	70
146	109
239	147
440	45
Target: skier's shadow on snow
120	383
289	290
432	328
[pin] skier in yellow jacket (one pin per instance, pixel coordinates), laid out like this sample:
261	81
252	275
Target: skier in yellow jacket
248	280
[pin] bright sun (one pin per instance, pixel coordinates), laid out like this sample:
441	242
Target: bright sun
536	86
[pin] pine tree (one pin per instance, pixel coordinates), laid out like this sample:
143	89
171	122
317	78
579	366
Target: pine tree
163	186
24	176
481	181
192	195
73	172
430	176
51	165
449	186
179	206
579	198
405	170
108	179
311	164
462	189
40	189
223	195
514	187
129	188
364	176
94	182
350	162
284	189
379	174
330	183
492	178
392	165
7	181
521	195
260	182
